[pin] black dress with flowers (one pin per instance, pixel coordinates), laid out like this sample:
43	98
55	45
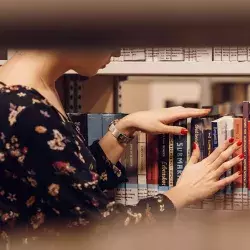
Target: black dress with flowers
50	180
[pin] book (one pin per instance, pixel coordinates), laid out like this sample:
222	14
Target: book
142	166
163	162
238	184
229	188
152	165
180	151
132	191
246	110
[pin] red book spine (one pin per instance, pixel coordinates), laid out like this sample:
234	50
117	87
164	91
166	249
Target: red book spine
152	164
238	184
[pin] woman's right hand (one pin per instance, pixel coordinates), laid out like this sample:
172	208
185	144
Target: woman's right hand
200	180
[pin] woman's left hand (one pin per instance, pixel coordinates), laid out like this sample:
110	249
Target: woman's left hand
156	121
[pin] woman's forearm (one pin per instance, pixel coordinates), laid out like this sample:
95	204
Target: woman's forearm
109	144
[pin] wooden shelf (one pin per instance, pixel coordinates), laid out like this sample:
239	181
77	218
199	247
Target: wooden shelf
176	68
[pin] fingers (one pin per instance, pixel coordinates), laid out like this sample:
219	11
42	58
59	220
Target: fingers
226	181
219	150
175	130
224	156
227	165
181	113
195	154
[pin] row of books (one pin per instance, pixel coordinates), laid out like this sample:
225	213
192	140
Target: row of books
202	54
155	162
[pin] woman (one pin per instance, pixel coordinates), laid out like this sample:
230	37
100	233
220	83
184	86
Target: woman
51	181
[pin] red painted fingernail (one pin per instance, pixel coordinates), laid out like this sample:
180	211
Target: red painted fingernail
194	145
239	172
241	156
231	140
239	143
184	131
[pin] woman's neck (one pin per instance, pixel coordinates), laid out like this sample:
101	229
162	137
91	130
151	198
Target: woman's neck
38	70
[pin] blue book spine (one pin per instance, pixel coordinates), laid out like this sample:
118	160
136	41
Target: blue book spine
94	128
214	135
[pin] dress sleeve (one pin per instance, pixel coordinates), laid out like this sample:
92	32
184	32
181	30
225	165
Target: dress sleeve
66	181
111	175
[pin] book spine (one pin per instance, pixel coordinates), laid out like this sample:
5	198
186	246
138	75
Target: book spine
177	54
180	151
165	54
163	163
155	54
225	53
214	135
238	184
233	54
248	54
204	54
152	164
208	203
229	188
245	161
132	192
127	54
186	54
248	152
149	54
242	54
217	53
94	123
189	146
197	131
220	195
171	161
142	166
138	54
120	192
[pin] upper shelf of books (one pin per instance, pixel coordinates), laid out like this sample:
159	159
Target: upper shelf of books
180	61
177	61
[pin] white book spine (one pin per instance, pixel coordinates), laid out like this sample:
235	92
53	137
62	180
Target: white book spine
186	54
192	55
165	54
149	54
138	54
155	54
242	54
177	54
217	53
204	54
229	188
248	54
142	166
225	53
127	54
222	134
233	54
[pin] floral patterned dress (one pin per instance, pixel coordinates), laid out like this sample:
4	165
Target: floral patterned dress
50	181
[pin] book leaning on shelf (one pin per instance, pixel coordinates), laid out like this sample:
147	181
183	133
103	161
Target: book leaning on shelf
155	162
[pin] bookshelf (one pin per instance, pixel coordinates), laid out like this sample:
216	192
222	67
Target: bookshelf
213	68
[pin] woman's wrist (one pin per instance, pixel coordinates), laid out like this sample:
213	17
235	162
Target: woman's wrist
179	196
125	126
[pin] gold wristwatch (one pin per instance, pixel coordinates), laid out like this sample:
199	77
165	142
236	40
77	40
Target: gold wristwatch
121	138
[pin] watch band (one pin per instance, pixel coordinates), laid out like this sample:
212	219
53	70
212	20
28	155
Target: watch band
121	138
